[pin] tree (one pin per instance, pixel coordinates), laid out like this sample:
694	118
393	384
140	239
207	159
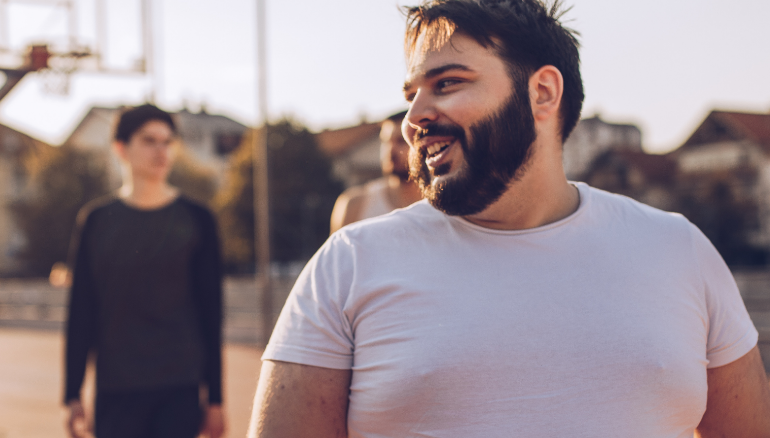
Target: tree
60	184
193	178
302	195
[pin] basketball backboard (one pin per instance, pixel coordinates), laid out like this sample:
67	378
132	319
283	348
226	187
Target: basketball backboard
56	38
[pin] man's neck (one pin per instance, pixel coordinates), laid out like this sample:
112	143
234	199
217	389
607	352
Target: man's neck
402	193
147	194
541	196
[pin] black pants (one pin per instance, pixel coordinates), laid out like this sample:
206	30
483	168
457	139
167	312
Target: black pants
161	413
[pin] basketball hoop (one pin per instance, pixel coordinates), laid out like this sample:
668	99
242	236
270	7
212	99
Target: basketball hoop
56	77
37	57
54	57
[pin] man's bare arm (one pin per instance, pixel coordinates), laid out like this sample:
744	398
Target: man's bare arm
738	400
297	401
347	209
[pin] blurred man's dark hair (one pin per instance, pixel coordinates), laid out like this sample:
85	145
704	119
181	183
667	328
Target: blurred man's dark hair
134	118
526	34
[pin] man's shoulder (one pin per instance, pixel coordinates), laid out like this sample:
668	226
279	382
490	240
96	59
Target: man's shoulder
197	211
359	192
418	215
195	206
620	204
352	195
98	206
635	216
374	185
414	213
348	207
384	238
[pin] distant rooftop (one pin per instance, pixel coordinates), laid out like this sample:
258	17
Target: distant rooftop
339	141
732	126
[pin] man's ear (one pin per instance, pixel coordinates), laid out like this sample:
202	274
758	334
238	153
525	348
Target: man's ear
120	148
546	87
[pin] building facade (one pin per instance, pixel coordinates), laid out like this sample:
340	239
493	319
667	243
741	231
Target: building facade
593	137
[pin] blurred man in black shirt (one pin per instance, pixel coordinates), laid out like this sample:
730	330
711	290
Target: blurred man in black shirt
146	298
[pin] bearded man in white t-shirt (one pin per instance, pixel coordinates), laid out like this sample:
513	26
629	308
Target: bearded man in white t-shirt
510	302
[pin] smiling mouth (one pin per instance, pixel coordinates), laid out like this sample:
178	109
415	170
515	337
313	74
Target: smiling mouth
437	148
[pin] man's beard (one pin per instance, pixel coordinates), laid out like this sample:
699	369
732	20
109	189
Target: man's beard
497	154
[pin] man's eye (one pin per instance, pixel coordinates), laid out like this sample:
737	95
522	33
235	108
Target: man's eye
409	97
444	83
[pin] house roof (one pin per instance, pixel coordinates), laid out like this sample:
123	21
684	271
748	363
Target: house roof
596	119
654	167
732	126
97	117
339	141
185	113
98	123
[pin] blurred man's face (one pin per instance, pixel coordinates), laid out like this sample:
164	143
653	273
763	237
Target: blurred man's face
150	151
470	129
394	151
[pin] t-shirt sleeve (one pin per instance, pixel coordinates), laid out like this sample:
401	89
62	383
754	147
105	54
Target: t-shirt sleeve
731	334
313	328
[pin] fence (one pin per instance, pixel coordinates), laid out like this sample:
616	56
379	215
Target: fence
36	304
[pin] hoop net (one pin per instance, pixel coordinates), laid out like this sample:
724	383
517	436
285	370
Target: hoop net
56	77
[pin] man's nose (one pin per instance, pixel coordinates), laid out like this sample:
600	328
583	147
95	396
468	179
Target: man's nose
421	110
160	145
421	113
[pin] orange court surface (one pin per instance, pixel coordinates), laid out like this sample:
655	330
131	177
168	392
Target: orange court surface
31	384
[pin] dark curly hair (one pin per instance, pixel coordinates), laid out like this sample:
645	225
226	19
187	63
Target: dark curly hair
526	34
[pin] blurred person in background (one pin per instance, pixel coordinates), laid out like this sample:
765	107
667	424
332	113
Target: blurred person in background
383	195
146	299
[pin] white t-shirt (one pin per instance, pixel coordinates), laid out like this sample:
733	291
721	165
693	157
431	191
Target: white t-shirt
599	325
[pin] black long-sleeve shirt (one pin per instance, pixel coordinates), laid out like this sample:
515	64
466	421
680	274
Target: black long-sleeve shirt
146	298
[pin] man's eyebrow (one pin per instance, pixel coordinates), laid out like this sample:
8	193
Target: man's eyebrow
432	73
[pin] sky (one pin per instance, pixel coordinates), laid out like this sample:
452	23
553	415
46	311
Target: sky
660	64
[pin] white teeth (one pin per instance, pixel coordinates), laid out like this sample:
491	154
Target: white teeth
435	147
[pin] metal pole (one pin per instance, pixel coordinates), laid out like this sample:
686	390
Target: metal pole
147	49
261	192
101	33
4	32
73	25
